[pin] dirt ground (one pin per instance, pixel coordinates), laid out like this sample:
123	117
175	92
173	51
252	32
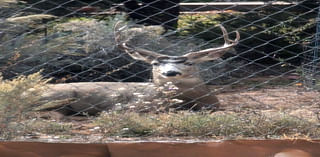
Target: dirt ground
275	98
293	99
283	93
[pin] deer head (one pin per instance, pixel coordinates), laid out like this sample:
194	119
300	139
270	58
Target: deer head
176	69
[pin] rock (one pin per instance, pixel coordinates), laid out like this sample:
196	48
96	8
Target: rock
22	37
31	19
9	8
12	28
83	50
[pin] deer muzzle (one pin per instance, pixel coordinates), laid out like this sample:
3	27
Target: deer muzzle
170	70
171	73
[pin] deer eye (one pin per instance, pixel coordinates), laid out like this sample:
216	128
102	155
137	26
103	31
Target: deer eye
188	63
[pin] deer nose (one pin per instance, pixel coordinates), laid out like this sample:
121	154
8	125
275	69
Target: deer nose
171	73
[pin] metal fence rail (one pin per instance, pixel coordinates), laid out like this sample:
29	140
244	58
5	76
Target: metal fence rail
92	70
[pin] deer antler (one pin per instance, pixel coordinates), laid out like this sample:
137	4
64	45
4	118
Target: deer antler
117	30
136	53
214	53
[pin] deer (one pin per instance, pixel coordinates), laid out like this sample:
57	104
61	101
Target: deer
181	71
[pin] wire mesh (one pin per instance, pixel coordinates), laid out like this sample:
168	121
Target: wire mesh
311	69
72	72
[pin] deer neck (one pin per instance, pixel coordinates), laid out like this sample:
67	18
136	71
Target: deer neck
182	83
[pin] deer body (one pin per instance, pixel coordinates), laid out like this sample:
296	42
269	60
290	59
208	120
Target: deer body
182	71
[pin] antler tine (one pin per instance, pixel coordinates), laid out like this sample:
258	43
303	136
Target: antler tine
214	53
135	52
117	30
226	38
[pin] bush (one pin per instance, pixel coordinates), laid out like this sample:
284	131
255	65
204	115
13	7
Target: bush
83	49
17	98
267	36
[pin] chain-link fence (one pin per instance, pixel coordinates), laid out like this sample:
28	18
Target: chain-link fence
93	70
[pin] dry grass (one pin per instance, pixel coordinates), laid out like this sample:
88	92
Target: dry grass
202	125
18	97
132	125
46	127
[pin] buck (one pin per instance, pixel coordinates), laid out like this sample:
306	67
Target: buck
181	71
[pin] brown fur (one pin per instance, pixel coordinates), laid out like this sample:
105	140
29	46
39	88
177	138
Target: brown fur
181	70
